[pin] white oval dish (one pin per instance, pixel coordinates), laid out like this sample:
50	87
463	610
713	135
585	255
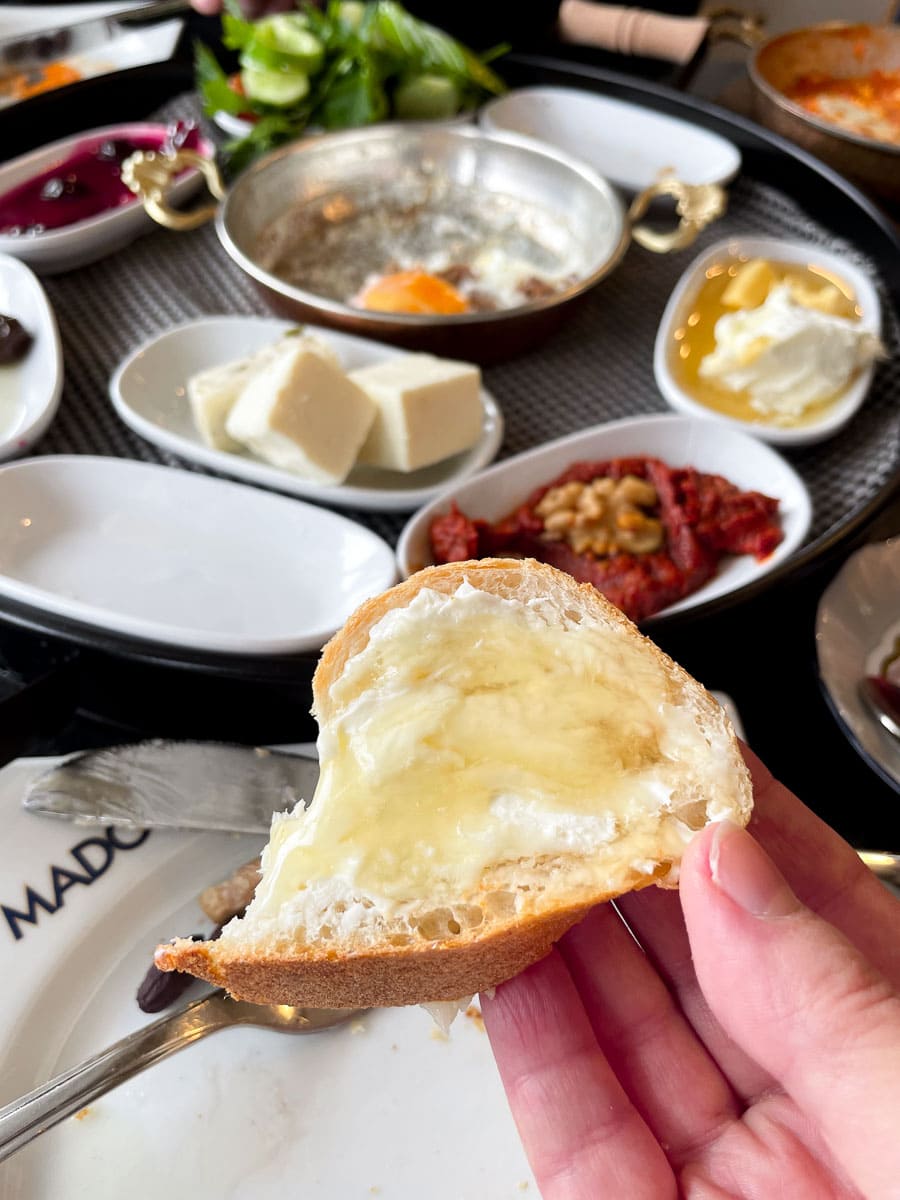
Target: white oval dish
121	51
626	143
836	415
177	558
678	441
148	392
856	625
38	377
85	241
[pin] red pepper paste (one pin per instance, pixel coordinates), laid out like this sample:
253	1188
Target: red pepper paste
704	518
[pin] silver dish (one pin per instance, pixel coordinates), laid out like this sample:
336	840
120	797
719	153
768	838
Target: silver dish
309	222
857	620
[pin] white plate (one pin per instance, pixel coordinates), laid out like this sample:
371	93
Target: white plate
678	441
155	43
377	1108
148	393
17	20
857	619
85	241
836	415
179	558
628	144
32	387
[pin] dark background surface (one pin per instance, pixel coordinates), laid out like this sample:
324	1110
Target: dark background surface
761	652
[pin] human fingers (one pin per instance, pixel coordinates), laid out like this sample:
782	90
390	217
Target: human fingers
646	1038
207	7
583	1136
800	998
656	918
253	9
825	872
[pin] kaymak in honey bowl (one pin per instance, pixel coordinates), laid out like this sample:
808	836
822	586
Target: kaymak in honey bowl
771	342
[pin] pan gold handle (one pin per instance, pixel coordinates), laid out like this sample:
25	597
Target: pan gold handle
731	25
697	204
150	176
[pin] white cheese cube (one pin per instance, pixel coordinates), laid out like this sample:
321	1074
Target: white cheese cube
300	412
211	394
427	409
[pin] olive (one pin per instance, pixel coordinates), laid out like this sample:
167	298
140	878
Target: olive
15	340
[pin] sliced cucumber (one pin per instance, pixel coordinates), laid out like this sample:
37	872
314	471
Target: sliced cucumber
287	33
426	98
277	88
257	57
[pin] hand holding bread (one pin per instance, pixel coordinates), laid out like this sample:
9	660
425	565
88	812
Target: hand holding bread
746	1044
501	750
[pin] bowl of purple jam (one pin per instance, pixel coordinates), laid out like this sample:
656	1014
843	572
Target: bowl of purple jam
66	205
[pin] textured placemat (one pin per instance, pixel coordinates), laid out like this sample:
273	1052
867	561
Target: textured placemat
598	368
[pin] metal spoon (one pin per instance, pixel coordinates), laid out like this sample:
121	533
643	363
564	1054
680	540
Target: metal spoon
31	1115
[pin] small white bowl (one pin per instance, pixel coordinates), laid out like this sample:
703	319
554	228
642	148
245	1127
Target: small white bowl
836	415
626	143
678	441
39	375
85	241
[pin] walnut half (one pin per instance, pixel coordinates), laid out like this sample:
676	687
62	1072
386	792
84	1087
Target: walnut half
603	517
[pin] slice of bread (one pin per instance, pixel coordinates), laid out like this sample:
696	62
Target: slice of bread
501	750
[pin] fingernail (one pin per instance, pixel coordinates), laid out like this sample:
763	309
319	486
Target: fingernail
744	872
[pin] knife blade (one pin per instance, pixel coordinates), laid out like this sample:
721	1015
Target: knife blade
175	785
32	50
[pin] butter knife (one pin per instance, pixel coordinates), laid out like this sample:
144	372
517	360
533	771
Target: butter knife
175	785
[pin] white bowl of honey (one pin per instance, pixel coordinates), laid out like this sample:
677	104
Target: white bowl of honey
777	337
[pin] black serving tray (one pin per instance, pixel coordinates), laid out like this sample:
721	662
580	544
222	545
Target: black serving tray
830	200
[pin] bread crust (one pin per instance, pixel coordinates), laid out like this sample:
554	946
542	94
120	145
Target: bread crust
387	976
476	959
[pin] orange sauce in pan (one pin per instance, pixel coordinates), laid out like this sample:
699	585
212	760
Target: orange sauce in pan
868	105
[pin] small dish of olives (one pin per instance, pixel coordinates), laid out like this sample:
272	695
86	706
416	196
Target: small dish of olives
31	364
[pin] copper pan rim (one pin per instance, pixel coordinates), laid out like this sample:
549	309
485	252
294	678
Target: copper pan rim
803	115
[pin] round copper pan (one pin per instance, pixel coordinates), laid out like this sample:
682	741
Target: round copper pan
840	51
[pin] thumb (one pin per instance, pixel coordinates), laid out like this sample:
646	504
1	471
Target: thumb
797	997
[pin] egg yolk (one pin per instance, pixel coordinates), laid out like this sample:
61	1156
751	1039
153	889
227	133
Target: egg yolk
412	292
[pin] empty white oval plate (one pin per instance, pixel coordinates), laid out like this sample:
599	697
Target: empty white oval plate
148	391
678	441
29	389
626	143
836	415
85	241
178	558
